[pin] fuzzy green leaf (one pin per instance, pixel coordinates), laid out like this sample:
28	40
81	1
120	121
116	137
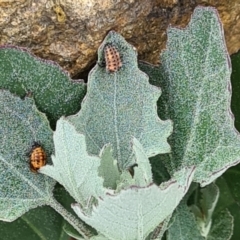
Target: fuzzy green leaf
184	226
222	226
197	91
135	212
21	124
210	195
121	105
203	210
72	166
54	92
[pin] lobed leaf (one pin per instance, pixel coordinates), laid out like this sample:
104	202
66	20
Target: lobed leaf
72	166
120	105
196	95
135	212
21	124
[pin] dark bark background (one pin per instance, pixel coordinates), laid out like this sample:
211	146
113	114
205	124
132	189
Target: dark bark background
70	31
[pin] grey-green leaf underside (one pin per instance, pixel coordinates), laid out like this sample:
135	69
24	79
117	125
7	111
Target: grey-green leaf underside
108	168
72	166
21	124
121	105
196	96
54	92
134	212
140	175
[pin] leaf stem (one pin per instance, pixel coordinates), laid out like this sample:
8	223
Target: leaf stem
79	225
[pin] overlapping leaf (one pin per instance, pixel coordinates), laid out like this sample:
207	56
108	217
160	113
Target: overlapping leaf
140	174
121	105
72	166
196	96
204	208
108	168
135	212
20	125
222	226
184	226
200	220
54	92
229	198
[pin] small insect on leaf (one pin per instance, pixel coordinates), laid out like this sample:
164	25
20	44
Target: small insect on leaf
38	157
112	58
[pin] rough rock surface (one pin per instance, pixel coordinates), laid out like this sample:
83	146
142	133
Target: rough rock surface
70	31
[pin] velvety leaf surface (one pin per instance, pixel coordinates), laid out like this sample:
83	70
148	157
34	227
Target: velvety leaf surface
184	226
140	173
40	223
72	166
54	92
120	105
143	171
135	212
159	231
64	198
196	95
210	195
222	226
21	124
203	208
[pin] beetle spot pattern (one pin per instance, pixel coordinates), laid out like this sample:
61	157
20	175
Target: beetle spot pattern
112	58
38	158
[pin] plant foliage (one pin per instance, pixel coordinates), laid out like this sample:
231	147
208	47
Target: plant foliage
178	114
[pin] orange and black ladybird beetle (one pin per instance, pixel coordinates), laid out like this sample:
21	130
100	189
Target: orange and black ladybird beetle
112	58
37	157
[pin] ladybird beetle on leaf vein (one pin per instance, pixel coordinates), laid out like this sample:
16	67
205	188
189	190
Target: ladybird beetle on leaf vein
38	157
112	58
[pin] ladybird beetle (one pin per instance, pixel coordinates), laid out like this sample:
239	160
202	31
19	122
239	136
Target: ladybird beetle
112	58
38	157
